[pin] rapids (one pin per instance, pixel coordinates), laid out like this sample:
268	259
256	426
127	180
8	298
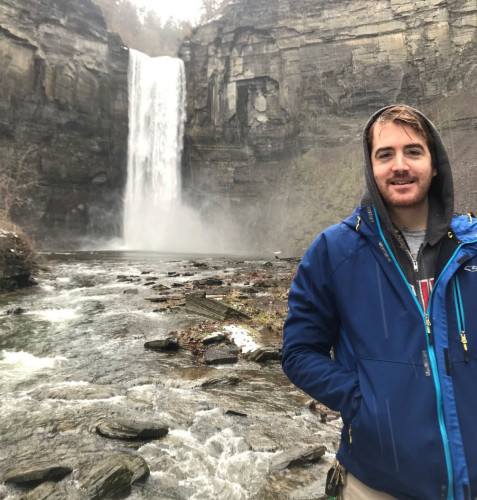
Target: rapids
75	356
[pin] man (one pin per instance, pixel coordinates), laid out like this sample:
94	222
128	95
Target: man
392	290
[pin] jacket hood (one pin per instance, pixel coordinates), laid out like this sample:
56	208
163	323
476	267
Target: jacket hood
441	192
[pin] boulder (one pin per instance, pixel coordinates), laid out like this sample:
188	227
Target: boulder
113	475
132	429
221	355
17	262
162	345
298	455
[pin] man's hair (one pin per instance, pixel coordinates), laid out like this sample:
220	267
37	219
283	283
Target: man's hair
403	115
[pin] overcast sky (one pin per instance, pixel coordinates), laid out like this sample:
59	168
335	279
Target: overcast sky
179	9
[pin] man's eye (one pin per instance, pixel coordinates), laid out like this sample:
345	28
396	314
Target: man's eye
414	152
384	156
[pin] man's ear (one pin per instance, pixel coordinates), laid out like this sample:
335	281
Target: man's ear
434	171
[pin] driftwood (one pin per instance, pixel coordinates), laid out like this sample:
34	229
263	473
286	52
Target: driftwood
199	304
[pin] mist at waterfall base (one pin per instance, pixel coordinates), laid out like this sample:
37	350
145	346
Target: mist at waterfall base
156	218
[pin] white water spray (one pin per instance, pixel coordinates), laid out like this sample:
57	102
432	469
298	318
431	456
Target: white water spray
156	127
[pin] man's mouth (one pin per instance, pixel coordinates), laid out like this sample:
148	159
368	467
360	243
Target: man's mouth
401	182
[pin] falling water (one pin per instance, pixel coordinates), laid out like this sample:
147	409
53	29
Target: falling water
156	126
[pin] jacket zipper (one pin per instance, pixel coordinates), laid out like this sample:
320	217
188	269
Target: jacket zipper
403	244
433	362
459	309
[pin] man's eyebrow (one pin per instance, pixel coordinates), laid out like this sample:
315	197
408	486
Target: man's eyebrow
382	150
414	146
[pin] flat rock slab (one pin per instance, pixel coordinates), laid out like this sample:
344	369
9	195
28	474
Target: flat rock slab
132	430
296	456
37	474
113	475
199	304
162	345
264	354
221	355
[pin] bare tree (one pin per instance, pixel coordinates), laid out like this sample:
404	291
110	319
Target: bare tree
18	177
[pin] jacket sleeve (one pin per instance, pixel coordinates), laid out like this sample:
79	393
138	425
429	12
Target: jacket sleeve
311	329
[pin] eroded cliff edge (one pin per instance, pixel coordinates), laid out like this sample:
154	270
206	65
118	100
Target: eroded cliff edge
278	93
63	117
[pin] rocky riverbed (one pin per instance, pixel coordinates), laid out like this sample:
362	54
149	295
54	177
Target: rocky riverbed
156	377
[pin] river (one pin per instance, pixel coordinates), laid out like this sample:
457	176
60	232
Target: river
75	356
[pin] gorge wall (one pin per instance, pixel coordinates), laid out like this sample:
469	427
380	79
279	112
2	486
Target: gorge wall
278	93
63	118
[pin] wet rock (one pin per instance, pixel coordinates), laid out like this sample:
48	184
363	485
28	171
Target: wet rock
132	429
178	285
45	491
208	282
37	474
222	379
264	354
266	284
159	287
18	260
202	377
16	310
221	355
235	413
199	304
298	455
173	274
113	475
131	291
199	265
214	338
162	345
80	391
164	298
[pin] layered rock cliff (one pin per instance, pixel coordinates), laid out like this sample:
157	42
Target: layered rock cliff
63	117
278	93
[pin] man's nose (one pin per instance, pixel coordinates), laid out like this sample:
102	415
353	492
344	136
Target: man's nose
400	162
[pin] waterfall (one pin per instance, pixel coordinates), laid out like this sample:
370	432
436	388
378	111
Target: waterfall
152	200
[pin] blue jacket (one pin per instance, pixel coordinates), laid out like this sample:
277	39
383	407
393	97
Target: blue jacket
401	377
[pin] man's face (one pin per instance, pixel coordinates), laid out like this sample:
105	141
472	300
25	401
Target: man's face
402	165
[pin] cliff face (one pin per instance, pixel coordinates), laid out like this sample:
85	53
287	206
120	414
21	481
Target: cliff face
278	93
63	117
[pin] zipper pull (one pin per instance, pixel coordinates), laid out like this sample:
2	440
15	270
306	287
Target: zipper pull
464	344
350	437
414	263
428	328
